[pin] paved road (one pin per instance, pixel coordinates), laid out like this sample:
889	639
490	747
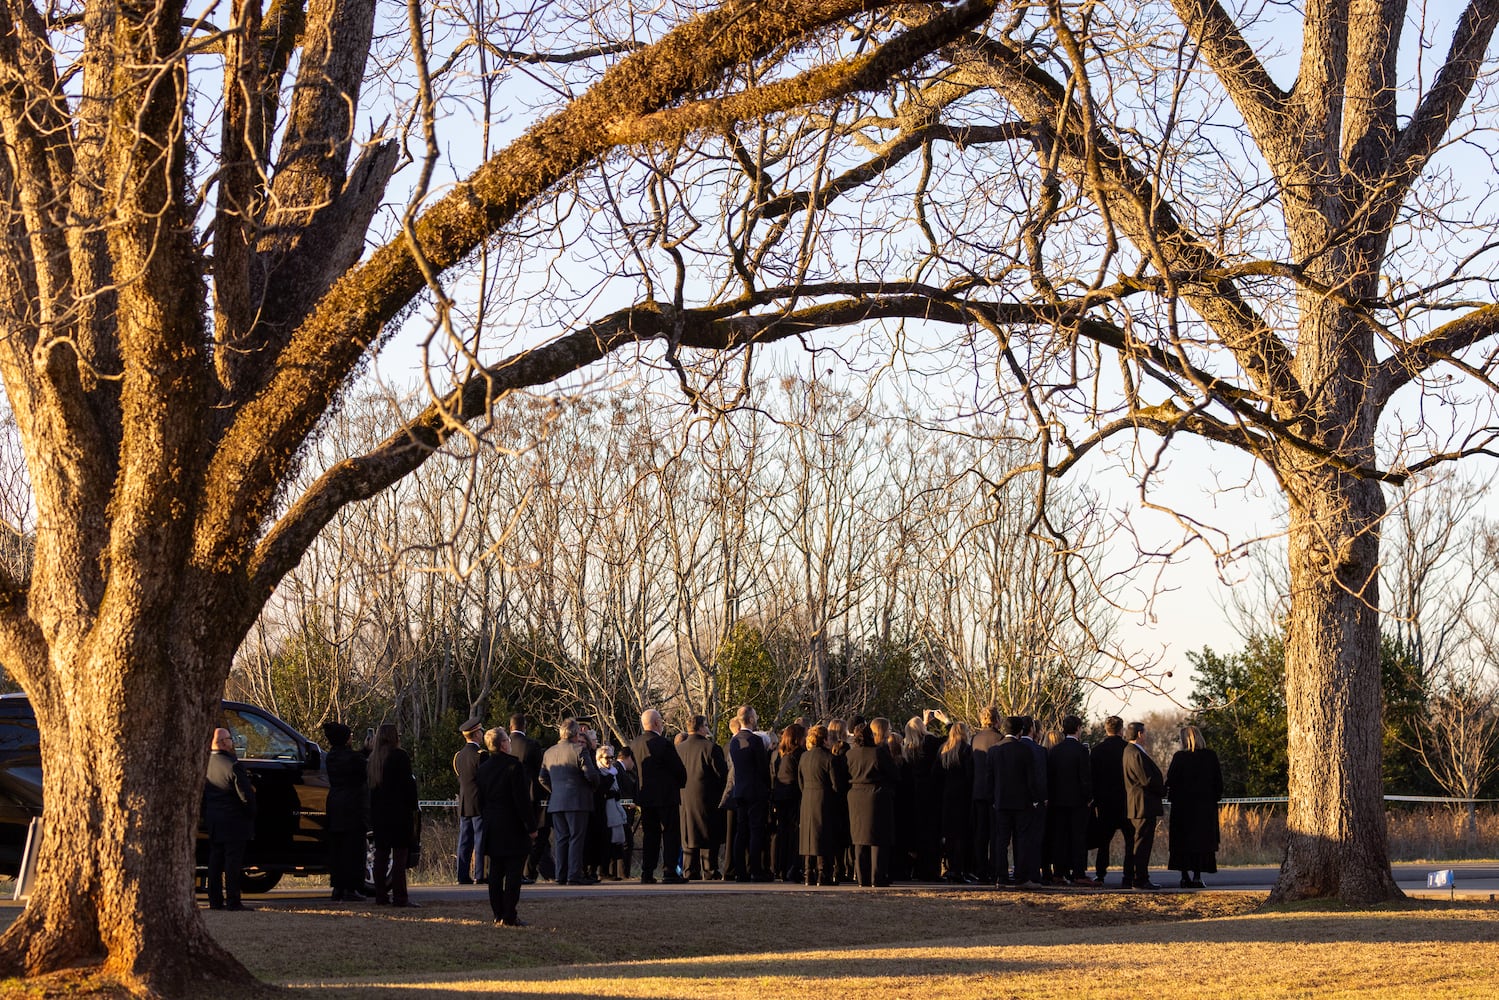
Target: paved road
1480	881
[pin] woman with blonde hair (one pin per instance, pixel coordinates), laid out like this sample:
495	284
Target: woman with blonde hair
956	764
1194	784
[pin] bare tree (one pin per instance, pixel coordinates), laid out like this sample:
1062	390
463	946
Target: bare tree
186	294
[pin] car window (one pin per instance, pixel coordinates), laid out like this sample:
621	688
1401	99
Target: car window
258	738
18	732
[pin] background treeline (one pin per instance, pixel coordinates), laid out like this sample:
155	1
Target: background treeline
812	554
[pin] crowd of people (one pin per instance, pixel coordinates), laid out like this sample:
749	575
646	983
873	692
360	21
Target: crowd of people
843	801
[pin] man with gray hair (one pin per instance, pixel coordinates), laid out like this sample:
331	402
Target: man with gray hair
661	776
569	775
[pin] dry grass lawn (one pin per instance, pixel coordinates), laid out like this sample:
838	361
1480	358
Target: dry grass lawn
895	943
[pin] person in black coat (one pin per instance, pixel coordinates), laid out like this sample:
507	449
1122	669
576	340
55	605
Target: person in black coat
526	750
702	820
1107	761
1069	781
956	762
393	815
504	793
751	798
348	814
229	814
918	811
661	776
822	779
1194	784
1012	768
872	777
1144	788
786	803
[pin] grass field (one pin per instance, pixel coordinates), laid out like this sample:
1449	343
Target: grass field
889	944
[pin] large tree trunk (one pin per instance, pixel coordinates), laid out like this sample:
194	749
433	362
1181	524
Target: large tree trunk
123	741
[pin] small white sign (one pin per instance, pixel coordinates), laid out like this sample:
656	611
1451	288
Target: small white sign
1440	880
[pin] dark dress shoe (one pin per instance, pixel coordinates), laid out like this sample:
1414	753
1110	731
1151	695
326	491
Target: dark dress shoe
647	880
673	880
215	906
525	880
481	881
517	922
239	908
1146	885
715	876
409	904
466	881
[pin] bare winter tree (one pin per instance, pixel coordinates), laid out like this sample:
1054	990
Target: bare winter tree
187	291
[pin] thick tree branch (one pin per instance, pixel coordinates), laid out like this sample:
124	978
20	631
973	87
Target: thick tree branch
1259	100
1143	213
1438	109
266	432
1442	344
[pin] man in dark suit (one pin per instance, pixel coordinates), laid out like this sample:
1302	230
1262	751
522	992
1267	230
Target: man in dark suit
751	802
1107	760
229	814
706	769
470	823
526	750
1013	771
504	794
1144	788
659	797
1069	782
1034	841
988	736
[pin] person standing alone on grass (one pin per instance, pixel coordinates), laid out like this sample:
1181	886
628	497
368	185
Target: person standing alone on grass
229	813
503	791
470	824
1143	788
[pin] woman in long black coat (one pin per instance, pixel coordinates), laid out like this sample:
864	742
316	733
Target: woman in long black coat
348	814
872	777
843	854
956	764
786	803
393	812
822	779
1194	784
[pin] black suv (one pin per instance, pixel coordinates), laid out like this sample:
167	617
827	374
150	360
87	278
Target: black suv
291	791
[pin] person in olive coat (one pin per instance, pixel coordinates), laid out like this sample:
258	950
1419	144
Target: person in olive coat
348	814
393	815
1194	784
503	790
702	820
822	779
872	777
229	814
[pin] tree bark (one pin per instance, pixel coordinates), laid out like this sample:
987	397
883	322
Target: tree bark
114	882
